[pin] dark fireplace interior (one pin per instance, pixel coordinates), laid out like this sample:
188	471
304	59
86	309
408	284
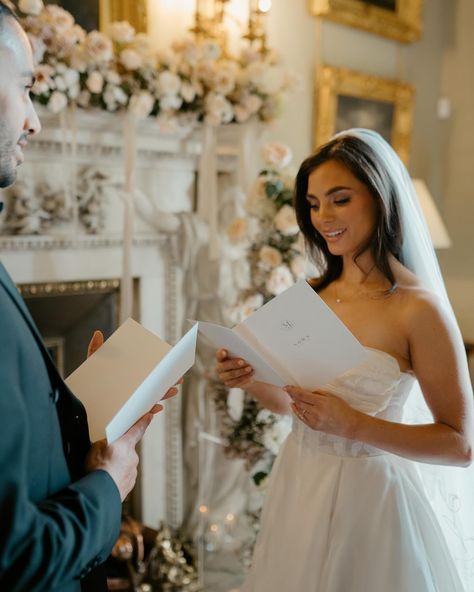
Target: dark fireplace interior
68	314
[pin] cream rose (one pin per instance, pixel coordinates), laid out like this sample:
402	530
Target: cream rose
131	59
285	221
95	82
279	280
270	256
99	47
168	84
33	7
276	155
141	104
121	32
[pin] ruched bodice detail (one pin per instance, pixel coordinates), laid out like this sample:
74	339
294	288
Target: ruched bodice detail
376	387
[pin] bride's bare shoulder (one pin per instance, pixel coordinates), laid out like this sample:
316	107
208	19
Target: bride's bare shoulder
417	303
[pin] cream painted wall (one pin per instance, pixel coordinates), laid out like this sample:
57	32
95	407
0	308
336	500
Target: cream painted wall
458	161
440	64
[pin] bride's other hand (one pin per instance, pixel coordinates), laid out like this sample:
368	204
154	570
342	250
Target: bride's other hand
322	411
233	372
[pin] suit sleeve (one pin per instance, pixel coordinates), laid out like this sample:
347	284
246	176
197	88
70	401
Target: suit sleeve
46	544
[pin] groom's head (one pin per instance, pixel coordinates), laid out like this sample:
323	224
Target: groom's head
18	119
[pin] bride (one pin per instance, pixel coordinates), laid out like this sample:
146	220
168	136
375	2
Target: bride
357	500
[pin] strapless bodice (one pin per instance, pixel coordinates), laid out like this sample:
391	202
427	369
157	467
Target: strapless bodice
376	387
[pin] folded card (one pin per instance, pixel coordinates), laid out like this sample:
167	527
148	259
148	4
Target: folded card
293	339
127	375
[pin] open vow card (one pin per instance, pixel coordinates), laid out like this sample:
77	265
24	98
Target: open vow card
293	339
125	377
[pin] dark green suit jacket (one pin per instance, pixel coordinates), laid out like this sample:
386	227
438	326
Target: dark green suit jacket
56	523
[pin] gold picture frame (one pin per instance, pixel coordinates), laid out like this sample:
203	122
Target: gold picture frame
345	98
396	19
133	11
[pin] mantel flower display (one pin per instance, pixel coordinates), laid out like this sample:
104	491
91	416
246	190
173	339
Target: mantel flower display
276	258
119	70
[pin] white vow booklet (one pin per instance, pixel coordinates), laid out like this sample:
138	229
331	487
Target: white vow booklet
125	377
293	339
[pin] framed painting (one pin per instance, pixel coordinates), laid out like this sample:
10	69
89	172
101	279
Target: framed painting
345	99
396	19
98	14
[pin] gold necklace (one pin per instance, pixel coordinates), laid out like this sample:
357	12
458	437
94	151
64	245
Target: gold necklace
369	295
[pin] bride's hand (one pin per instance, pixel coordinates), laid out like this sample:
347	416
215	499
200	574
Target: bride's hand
322	411
233	372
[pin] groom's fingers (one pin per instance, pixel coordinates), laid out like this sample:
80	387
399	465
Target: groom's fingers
96	341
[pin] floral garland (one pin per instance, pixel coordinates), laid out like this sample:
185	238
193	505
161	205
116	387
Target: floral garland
191	82
275	252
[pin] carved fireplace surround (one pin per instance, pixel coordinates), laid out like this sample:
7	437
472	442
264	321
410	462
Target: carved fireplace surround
167	165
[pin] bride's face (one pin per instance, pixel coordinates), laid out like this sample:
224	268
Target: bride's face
343	210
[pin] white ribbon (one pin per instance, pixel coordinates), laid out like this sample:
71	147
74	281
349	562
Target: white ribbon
130	163
207	208
248	166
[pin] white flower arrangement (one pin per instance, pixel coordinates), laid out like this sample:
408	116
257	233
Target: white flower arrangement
191	82
275	250
276	254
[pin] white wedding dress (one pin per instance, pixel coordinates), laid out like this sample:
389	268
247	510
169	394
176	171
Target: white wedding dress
341	516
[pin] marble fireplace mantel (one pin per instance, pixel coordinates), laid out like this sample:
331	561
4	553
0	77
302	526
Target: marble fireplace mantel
167	167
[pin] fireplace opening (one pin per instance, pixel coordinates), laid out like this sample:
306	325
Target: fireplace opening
68	313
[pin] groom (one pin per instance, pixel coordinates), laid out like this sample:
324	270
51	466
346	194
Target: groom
60	496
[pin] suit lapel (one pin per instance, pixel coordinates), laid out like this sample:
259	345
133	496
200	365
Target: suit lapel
12	291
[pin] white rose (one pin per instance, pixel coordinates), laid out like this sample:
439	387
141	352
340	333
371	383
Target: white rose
57	102
60	19
113	77
224	80
170	102
237	230
241	114
235	403
279	280
188	92
99	47
71	77
276	155
60	83
141	104
143	44
33	7
285	221
131	59
254	301
121	32
274	437
74	91
79	58
95	82
297	266
270	256
252	103
218	109
120	95
168	83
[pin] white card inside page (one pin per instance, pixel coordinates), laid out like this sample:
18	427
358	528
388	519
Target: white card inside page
224	338
305	336
113	374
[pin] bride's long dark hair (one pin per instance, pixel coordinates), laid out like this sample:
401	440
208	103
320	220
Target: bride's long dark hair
386	237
